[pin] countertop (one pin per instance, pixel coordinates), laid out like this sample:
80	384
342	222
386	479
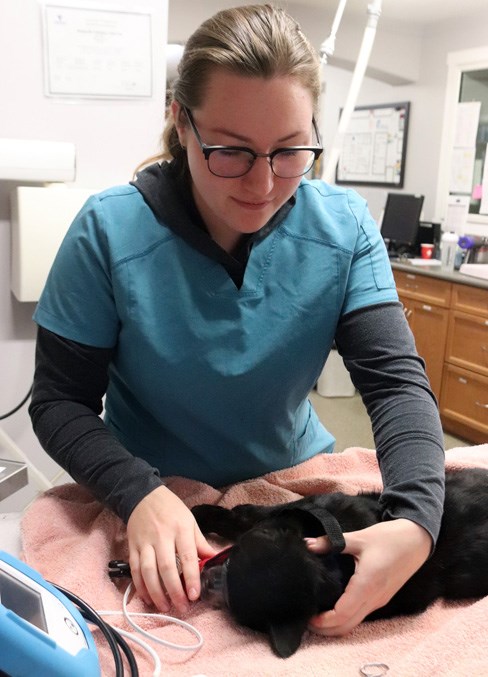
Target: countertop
13	476
440	274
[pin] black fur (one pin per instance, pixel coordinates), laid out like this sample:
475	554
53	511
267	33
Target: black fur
276	585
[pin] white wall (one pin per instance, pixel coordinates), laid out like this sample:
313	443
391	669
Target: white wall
111	138
428	51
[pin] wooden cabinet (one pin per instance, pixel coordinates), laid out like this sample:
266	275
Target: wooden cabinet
426	309
467	342
464	404
464	398
422	288
450	325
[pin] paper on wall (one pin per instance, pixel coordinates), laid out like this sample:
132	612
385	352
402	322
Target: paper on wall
467	121
484	186
457	213
462	167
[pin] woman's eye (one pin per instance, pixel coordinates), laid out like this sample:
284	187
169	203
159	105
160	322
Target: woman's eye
230	152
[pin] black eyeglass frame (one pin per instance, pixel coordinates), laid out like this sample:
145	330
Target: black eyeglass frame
207	150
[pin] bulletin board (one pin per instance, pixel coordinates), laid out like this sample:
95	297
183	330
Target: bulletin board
374	146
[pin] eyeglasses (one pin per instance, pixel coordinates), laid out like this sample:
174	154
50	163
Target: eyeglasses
231	162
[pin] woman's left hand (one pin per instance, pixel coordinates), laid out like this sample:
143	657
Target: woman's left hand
387	555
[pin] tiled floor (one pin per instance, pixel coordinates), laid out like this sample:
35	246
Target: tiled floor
347	420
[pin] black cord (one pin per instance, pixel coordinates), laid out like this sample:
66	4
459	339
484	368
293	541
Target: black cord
18	406
114	639
91	615
134	671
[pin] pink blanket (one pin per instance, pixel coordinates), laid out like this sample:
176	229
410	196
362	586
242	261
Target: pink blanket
69	537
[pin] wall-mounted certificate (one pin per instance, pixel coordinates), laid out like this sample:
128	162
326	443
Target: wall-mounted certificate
96	52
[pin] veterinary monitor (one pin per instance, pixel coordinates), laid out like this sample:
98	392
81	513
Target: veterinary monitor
41	631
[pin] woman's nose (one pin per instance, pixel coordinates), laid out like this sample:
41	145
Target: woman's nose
261	175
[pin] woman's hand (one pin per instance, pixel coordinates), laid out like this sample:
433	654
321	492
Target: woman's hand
387	555
159	528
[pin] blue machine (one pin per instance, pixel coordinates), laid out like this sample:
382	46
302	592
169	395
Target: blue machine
41	631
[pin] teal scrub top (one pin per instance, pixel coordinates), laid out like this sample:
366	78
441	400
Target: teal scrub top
209	381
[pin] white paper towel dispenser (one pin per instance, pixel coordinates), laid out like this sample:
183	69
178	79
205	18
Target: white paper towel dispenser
40	161
40	218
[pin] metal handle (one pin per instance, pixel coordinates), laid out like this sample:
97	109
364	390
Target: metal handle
480	404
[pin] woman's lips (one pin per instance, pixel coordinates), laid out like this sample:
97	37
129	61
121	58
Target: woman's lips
254	206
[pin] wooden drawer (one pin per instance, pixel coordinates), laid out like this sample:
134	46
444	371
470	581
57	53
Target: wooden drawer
464	399
470	299
423	288
429	325
467	341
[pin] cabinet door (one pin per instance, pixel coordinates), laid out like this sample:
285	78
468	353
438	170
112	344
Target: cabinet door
429	326
467	343
469	299
464	403
423	288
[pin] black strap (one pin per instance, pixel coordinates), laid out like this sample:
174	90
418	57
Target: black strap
330	525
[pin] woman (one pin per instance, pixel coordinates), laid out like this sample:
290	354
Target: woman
203	299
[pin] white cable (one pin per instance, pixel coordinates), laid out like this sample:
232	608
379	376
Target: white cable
128	615
145	646
164	617
131	636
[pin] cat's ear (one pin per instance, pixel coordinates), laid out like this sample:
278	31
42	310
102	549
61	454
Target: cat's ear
286	636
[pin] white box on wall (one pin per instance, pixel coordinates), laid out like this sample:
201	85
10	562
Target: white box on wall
40	218
31	160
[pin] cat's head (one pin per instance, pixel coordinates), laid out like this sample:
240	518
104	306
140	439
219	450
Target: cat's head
275	585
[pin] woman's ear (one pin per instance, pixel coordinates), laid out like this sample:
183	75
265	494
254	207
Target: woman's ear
181	123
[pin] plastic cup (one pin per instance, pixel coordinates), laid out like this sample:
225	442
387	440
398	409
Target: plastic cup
427	251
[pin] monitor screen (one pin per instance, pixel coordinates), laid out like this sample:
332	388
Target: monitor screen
401	218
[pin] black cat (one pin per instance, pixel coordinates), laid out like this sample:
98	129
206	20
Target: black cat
272	583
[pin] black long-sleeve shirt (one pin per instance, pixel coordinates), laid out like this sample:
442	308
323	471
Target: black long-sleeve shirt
71	380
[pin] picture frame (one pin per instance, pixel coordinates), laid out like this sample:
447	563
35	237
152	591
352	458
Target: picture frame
374	146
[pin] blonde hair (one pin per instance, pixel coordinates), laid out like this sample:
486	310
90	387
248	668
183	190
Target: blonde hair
254	40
